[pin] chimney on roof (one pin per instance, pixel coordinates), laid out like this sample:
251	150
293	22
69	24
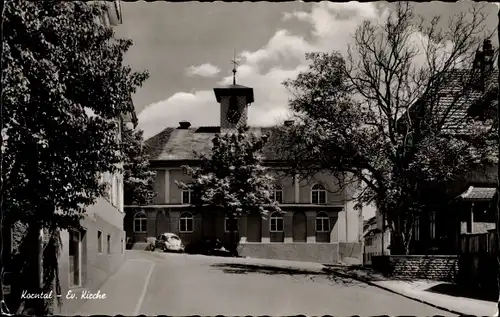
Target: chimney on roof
478	59
488	54
483	62
184	125
288	123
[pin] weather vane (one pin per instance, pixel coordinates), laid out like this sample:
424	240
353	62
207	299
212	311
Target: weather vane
235	64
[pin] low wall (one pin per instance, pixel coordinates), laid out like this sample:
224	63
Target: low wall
433	267
310	252
324	253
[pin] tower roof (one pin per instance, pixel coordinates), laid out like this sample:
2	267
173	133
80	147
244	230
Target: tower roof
234	90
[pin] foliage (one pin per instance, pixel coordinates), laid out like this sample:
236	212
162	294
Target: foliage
381	114
64	86
231	178
138	177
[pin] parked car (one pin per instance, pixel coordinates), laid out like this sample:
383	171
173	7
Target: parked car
168	242
208	246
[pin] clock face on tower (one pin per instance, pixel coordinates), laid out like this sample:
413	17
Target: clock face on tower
233	112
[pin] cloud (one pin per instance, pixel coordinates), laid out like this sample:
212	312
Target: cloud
331	26
204	70
199	108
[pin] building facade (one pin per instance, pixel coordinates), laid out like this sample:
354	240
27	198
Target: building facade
320	223
375	241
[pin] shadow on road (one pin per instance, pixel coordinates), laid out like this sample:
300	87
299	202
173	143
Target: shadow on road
364	273
236	268
461	291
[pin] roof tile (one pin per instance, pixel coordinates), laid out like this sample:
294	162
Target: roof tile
181	144
479	193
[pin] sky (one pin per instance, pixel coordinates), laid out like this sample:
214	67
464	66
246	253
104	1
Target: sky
187	47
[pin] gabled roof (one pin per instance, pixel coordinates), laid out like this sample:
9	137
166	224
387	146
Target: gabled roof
478	193
179	144
456	105
371	220
458	121
130	116
372	232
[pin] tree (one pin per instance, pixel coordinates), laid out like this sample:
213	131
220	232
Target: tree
383	114
64	88
138	177
231	178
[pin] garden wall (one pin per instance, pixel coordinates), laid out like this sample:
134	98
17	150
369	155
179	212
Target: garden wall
433	267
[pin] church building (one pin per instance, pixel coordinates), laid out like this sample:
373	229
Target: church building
320	223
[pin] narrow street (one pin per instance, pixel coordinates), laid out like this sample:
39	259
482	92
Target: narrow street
180	284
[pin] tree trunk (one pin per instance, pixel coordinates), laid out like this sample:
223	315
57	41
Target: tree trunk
29	275
397	245
408	233
407	242
50	262
231	234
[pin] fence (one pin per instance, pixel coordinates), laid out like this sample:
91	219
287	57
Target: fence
478	259
478	242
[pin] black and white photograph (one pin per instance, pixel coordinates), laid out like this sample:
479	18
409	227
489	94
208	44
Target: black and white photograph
250	158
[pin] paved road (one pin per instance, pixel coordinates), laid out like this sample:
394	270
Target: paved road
199	285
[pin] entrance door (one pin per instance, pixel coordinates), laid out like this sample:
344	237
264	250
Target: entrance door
254	227
208	220
162	222
299	230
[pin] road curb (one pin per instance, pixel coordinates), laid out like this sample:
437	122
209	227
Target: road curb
367	281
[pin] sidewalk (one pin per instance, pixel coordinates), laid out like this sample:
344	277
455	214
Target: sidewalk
419	291
124	291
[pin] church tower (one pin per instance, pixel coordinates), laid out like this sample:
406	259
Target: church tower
234	101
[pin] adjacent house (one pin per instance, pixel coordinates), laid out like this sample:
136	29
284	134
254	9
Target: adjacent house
320	223
471	211
375	242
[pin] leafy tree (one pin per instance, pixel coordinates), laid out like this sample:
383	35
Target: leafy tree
231	178
64	88
138	177
382	114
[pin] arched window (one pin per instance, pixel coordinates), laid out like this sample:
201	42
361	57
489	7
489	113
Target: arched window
186	196
322	222
186	222
228	224
277	194
140	222
318	194
276	222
